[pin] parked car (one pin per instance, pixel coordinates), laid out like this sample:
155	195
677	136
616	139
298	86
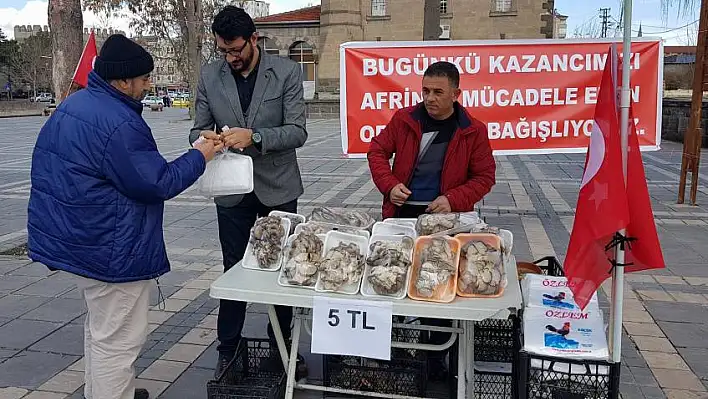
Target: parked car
152	100
43	98
181	101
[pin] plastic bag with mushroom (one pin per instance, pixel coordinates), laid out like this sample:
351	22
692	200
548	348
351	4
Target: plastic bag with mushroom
342	217
267	241
389	262
429	224
304	259
342	265
324	228
437	265
481	270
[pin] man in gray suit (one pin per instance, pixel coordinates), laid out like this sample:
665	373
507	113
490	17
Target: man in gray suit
260	97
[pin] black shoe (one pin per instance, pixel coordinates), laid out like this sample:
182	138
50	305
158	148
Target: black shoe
222	363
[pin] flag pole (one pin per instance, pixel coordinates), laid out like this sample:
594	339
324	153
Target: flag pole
618	271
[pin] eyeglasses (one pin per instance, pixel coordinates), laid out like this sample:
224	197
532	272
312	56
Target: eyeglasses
233	52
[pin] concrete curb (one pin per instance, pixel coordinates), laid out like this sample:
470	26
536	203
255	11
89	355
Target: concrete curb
3	116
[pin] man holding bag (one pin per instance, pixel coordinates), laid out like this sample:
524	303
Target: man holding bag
260	97
99	186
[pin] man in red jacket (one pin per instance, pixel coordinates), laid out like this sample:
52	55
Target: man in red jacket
443	161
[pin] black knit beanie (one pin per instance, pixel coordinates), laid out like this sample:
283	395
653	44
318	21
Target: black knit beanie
122	58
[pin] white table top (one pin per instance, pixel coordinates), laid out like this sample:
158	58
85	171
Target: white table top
257	286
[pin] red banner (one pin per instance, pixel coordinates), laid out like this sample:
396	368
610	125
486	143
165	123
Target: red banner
535	96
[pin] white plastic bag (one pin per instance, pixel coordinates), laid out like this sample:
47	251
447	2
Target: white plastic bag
541	291
226	174
563	333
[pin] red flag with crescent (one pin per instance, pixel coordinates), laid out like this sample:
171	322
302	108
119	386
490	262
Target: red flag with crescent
86	62
602	201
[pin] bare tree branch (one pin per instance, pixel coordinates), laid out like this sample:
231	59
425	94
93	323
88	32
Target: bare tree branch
683	8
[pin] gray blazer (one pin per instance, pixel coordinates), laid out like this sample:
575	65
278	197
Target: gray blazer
277	112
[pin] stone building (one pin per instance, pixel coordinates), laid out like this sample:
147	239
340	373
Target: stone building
254	8
24	31
166	76
312	34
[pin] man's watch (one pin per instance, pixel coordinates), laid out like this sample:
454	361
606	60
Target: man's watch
257	139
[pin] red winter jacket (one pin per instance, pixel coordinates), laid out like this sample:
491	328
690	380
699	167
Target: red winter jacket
468	171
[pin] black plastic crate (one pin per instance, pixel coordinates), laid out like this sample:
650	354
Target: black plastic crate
405	374
496	340
550	266
546	377
256	372
493	384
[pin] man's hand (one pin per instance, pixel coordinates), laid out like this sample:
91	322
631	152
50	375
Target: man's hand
400	194
209	148
210	135
237	138
440	205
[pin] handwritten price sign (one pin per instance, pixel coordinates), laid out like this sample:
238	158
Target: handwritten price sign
352	327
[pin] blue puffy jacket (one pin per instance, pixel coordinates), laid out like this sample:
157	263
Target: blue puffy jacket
98	188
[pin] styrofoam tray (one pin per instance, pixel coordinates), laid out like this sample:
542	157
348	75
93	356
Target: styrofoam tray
391	229
335	227
249	261
282	280
292	216
445	293
367	289
402	221
332	240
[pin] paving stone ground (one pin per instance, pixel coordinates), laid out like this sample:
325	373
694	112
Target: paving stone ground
665	353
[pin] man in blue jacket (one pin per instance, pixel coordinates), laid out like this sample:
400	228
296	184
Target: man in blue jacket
98	190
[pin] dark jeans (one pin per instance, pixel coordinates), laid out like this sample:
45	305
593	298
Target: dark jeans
436	338
235	225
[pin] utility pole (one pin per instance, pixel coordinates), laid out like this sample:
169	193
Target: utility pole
605	17
693	139
431	20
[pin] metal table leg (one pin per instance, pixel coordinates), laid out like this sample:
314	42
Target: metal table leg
462	362
278	333
291	370
469	352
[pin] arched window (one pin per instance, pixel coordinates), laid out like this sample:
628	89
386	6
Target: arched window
268	45
304	54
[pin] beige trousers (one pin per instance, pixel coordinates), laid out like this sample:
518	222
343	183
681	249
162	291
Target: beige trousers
114	333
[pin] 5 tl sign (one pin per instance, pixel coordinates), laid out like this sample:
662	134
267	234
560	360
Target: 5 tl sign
351	327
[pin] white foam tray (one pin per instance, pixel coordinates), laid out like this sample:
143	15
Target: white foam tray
335	227
282	280
402	221
333	239
300	218
391	229
249	261
366	288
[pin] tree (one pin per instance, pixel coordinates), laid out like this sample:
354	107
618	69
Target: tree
66	25
182	24
30	61
590	29
7	52
683	7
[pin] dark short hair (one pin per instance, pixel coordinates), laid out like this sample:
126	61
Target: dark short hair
444	69
233	22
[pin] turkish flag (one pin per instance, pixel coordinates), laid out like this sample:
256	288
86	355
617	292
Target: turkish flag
644	252
86	62
602	201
